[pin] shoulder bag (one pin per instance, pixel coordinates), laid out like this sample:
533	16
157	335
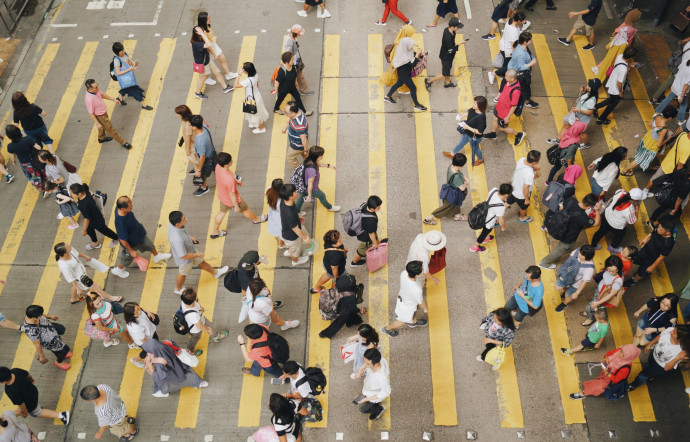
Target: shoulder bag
496	356
453	195
249	104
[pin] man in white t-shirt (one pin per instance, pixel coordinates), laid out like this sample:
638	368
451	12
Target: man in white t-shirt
679	89
197	322
410	298
614	85
663	87
570	291
526	170
668	353
494	217
295	373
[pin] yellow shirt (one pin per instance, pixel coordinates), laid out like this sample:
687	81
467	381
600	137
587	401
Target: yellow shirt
683	147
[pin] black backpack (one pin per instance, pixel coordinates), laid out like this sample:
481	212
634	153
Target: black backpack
316	378
180	322
521	101
477	216
280	349
553	154
231	281
556	223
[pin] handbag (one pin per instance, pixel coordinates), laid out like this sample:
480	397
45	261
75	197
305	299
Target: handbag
142	263
453	195
199	68
184	355
496	356
313	406
596	386
377	257
437	262
498	60
347	351
249	105
419	67
69	167
244	310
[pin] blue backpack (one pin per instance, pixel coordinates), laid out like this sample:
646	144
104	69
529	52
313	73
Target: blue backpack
567	273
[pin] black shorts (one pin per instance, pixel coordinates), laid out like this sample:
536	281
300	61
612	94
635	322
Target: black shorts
313	2
446	65
586	343
500	13
520	202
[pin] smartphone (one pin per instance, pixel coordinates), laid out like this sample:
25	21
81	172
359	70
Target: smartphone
357	399
638	65
276	381
467	39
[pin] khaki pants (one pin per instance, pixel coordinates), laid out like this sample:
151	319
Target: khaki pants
294	158
302	82
107	126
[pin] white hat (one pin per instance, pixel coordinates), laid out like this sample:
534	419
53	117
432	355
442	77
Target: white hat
297	29
434	240
636	194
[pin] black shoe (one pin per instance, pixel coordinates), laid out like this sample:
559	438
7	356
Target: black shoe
631	388
450	84
105	140
588	47
605	122
373	417
361	262
147	107
388	99
629	283
519	138
551	8
532	104
488	37
419	323
201	191
123	102
277	304
391	333
127	146
562	306
419	108
490	135
427	83
563	41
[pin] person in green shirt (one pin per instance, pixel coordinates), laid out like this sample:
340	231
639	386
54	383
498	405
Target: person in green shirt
455	179
595	334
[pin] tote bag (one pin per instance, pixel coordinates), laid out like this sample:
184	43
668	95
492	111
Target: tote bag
496	356
377	257
437	262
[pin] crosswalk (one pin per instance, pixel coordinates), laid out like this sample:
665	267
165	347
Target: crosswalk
154	291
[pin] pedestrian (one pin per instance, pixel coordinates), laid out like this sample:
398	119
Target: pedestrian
346	311
203	20
456	180
132	236
68	208
20	389
286	84
679	90
661	313
471	126
3	170
367	337
252	94
259	353
285	411
503	11
526	170
73	271
30	116
124	69
13	430
621	210
312	165
522	62
297	129
187	139
334	260
655	247
295	236
376	387
392	6
92	215
110	411
670	349
567	148
55	170
141	326
549	5
317	4
103	317
527	296
627	255
369	237
676	158
403	61
612	380
683	47
448	51
444	7
423	244
573	275
672	206
46	334
168	372
410	300
586	18
511	34
609	291
260	308
390	77
205	152
292	46
273	200
621	39
495	216
658	135
615	83
595	334
581	111
201	47
25	149
183	248
578	220
299	389
499	329
197	322
566	181
248	269
507	102
98	112
606	170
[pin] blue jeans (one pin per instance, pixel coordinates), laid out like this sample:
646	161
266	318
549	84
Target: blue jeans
554	170
39	135
652	370
316	194
474	144
596	188
681	108
272	370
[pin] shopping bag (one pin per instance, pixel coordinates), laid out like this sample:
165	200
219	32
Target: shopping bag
437	262
496	356
142	263
97	265
347	351
244	310
377	257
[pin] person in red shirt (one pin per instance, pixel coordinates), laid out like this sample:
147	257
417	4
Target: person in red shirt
258	355
615	368
627	255
505	108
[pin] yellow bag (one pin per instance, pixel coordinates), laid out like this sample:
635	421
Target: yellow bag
496	356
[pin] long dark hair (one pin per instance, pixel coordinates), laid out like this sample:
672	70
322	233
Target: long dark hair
60	250
615	156
195	37
622	200
256	286
614	260
21	105
314	153
202	21
184	112
281	408
504	317
128	312
594	86
273	193
671	297
369	334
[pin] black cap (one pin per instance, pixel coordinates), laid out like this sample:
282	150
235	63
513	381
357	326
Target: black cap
454	22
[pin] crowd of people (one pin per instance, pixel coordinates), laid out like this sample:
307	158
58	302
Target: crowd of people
171	367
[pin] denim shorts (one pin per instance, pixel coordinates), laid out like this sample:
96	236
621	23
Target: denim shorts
568	291
586	343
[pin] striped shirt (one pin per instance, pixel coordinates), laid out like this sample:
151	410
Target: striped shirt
298	126
113	410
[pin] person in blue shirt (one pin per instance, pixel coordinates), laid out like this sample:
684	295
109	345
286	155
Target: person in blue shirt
527	299
585	19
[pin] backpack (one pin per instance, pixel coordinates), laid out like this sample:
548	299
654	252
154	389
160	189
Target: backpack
348	283
280	349
554	193
297	178
477	216
676	58
618	390
316	378
567	273
521	101
387	51
556	223
328	303
180	322
231	281
553	154
352	221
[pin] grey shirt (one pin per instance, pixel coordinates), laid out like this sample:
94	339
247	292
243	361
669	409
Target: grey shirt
292	46
203	145
180	244
16	430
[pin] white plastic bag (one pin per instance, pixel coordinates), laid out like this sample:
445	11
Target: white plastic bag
347	351
97	265
244	311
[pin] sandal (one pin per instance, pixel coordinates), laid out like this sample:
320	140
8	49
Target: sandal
81	298
221	233
62	366
246	370
627	173
431	222
262	219
460	217
583	314
128	436
527	220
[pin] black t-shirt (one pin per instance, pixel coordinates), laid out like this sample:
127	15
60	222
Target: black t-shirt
285	78
448	46
246	275
89	210
578	221
31	121
200	53
655	247
289	219
23	149
370	222
335	258
476	120
22	390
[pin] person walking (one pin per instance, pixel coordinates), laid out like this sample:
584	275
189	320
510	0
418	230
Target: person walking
124	69
526	170
297	129
73	271
658	135
286	84
471	126
141	326
203	20
346	311
522	62
98	112
456	180
295	236
260	306
55	170
659	314
197	322
312	176
286	415
3	170
582	111
606	169
168	372
621	39
334	260
447	54
273	200
259	352
444	8
201	45
376	387
68	209
110	411
655	248
366	338
683	46
586	18
503	11
573	275
369	237
676	158
317	4
507	102
103	317
621	210
614	85
670	348
205	153
615	369
679	90
672	207
392	6
595	334
499	329
46	334
410	300
93	217
511	34
403	61
30	116
182	246
132	236
20	388
423	244
495	216
527	296
253	94
187	139
292	46
25	150
248	269
567	148
390	77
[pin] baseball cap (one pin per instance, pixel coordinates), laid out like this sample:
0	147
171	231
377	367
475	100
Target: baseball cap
455	23
636	194
297	29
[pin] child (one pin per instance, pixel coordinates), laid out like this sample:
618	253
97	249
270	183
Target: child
595	334
627	255
68	207
46	334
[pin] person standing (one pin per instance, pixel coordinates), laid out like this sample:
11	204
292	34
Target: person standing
201	45
499	329
655	248
297	129
197	322
252	93
98	112
526	170
410	299
46	334
527	296
292	46
444	7
312	165
25	149
376	387
472	126
495	216
20	389
621	210
110	411
614	85
295	236
392	6
522	62
456	180
670	348
448	51
286	84
124	71
586	18
370	222
507	102
30	117
403	61
317	4
93	217
203	20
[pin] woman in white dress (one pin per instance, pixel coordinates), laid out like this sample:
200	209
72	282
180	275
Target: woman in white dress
252	93
73	271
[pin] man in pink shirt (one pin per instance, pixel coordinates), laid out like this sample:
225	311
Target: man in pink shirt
95	106
229	195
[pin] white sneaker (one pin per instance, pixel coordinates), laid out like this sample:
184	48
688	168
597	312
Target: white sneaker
259	131
221	271
526	25
60	216
231	75
301	260
113	341
122	273
161	257
479	358
289	324
492	77
496	99
113	243
334	209
302	13
210	81
595	70
286	253
500	20
203	384
160	394
299	1
179	292
133	346
325	14
139	364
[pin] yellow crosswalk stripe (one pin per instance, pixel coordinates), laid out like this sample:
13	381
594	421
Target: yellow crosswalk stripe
190	398
510	404
320	348
440	346
378	282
